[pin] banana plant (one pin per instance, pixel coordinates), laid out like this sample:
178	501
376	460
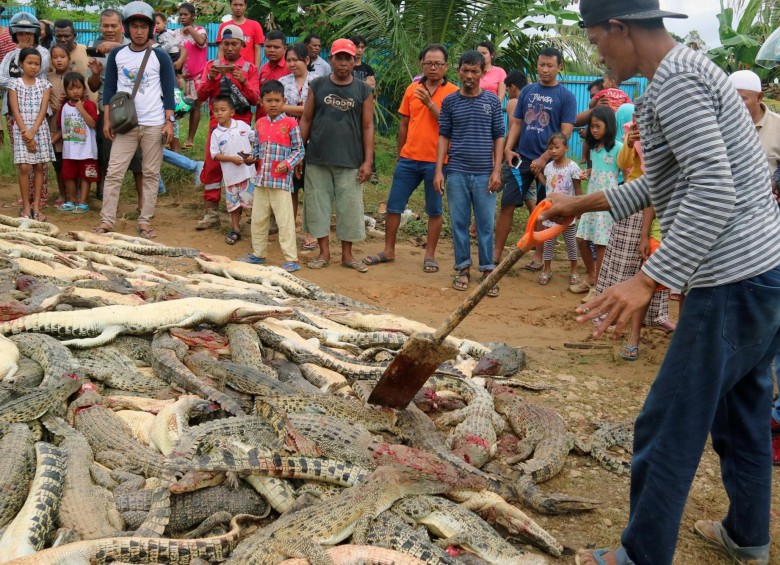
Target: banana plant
741	40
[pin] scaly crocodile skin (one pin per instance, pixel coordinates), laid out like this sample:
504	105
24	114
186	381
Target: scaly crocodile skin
85	507
305	532
27	533
17	454
145	550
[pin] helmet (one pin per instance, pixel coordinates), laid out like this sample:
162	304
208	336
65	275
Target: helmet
183	104
137	10
24	22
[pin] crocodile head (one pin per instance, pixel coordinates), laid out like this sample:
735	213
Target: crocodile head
249	313
11	310
26	283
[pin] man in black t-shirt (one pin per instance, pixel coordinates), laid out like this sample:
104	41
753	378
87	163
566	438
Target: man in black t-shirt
362	70
338	124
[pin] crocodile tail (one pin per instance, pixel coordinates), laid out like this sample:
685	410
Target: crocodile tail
159	513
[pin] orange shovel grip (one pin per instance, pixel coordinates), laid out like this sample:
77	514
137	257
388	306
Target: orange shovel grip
532	238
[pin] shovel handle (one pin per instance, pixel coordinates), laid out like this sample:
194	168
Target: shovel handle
530	239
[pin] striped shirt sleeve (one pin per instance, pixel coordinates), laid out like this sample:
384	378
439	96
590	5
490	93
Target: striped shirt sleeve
694	137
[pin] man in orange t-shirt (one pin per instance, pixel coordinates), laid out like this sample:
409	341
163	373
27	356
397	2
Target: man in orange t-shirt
418	136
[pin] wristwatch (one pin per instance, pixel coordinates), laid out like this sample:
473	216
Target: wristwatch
171	118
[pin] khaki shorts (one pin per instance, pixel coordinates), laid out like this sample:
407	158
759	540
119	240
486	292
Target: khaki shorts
326	185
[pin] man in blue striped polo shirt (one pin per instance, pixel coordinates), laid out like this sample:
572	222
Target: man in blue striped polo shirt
471	135
708	179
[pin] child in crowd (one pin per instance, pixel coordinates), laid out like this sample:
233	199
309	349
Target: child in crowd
77	120
170	41
60	63
628	242
28	102
279	149
595	226
611	91
230	141
562	175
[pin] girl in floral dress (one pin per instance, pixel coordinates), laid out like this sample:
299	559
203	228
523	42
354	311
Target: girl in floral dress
595	226
28	102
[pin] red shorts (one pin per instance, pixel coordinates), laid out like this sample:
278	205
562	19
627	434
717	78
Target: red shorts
86	169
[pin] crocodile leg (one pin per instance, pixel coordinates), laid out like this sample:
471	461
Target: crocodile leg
106	336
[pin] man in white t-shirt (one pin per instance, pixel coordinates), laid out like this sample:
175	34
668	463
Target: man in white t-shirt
154	104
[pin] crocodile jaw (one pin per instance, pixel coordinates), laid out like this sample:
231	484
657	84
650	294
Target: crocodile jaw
254	313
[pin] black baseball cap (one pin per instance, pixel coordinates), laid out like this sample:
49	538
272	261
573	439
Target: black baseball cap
599	11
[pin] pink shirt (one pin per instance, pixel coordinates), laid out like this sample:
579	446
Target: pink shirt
492	79
196	55
253	32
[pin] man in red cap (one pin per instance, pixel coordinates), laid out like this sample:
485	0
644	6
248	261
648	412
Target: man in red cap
231	75
709	182
338	123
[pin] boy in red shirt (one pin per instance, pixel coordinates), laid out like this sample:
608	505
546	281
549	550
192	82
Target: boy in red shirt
233	76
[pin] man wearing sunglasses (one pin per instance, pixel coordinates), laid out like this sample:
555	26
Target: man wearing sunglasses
418	135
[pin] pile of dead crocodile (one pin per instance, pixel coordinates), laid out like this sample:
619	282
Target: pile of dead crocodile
154	417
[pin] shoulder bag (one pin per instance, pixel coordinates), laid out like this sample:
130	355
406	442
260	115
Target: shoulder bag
122	114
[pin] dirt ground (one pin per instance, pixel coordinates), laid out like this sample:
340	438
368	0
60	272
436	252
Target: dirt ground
590	386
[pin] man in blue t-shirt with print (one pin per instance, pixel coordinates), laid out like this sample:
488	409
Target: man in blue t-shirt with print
471	134
544	107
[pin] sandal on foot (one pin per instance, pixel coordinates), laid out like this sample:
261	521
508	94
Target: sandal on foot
232	237
252	259
359	266
67	206
534	266
146	231
102	229
493	292
291	266
577	285
186	145
544	278
317	263
629	353
430	265
458	283
376	259
309	245
595	557
716	535
38	217
80	209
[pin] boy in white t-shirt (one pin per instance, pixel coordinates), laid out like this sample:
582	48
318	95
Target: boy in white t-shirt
230	142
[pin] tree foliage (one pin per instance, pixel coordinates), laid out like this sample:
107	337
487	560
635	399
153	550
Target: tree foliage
741	40
398	30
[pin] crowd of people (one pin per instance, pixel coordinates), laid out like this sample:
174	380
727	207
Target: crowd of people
303	124
58	102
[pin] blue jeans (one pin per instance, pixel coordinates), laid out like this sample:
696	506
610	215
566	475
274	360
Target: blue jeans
463	192
179	160
715	379
776	408
407	177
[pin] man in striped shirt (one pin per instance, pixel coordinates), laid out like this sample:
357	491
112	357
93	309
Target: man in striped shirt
708	180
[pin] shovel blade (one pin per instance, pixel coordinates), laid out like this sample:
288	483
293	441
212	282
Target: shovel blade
417	360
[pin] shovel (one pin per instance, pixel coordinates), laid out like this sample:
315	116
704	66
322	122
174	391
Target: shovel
422	354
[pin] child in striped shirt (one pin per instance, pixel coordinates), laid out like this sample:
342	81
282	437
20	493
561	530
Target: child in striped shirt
279	148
